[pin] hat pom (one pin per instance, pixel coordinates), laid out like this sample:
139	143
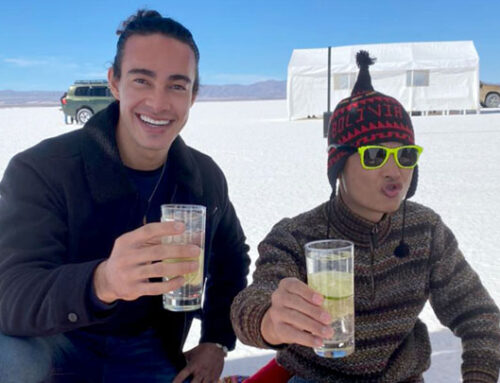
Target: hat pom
363	59
364	81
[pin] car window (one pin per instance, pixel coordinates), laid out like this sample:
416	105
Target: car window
98	91
82	91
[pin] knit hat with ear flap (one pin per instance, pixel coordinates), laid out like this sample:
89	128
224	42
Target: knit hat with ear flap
367	117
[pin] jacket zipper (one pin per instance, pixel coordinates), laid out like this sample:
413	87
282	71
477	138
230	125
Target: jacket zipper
373	246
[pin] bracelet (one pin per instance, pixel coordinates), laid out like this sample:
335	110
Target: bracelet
223	348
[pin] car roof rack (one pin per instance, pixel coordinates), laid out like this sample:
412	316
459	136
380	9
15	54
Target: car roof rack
91	82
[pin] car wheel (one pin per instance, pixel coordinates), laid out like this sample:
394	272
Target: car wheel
492	100
83	115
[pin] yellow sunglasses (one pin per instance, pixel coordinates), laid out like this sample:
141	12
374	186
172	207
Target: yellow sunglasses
376	156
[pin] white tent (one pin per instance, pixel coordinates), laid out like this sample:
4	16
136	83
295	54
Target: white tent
424	77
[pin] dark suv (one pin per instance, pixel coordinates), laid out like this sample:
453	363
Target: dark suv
85	98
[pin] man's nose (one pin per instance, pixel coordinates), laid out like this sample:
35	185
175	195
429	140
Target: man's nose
159	100
391	168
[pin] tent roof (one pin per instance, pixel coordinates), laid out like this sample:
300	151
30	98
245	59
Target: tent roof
406	56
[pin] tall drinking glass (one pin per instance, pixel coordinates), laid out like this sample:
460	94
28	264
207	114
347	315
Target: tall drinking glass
188	296
330	272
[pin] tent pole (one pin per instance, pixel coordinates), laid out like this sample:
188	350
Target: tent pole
328	113
329	74
411	92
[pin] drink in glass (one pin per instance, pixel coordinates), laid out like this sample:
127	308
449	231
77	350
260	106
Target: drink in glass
188	296
330	272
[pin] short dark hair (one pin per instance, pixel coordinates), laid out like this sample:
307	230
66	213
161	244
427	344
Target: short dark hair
147	22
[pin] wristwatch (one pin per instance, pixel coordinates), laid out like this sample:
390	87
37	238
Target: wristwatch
223	348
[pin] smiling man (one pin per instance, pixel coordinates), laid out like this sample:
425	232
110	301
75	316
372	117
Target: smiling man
80	237
154	83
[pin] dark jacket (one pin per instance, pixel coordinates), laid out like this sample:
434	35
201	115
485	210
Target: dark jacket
62	205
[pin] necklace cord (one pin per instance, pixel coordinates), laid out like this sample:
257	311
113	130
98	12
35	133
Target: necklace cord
148	205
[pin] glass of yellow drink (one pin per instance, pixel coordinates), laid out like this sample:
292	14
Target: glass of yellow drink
330	272
188	296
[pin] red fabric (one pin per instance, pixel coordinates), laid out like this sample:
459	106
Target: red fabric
271	372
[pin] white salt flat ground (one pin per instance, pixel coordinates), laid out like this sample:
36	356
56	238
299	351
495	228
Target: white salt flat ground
277	168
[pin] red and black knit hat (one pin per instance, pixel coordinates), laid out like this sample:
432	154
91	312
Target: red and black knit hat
366	118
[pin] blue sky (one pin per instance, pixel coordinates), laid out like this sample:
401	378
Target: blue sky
46	45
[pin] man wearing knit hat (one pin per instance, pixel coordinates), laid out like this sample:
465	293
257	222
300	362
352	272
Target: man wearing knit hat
404	256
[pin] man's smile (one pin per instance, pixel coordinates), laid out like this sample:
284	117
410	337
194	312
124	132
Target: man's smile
154	122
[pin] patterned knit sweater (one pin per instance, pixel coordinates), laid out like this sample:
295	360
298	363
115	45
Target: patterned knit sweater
392	344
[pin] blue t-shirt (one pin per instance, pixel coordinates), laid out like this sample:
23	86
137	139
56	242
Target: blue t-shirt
153	189
150	200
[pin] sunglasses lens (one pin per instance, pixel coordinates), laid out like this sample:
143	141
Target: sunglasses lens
408	157
374	157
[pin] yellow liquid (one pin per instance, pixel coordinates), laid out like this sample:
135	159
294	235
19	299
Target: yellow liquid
194	278
337	288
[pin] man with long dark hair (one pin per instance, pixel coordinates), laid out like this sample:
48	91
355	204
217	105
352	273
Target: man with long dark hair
80	237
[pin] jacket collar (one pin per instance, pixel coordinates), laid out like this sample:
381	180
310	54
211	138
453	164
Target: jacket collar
105	171
358	229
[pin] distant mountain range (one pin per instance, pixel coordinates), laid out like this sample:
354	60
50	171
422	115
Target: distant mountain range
29	98
265	90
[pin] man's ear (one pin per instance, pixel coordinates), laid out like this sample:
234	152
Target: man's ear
113	83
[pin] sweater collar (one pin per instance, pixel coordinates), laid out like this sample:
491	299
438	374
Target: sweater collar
354	227
105	171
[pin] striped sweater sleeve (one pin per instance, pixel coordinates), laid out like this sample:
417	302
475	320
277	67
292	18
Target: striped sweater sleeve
462	303
278	258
